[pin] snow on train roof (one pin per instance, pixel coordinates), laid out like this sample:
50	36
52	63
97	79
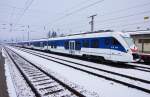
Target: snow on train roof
83	35
43	39
140	32
87	35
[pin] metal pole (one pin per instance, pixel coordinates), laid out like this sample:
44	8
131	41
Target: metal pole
45	30
92	22
28	35
142	45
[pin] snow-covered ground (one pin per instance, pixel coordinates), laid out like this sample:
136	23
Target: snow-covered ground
138	64
123	79
26	67
10	85
101	86
17	87
126	71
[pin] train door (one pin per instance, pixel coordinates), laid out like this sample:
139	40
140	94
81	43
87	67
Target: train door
72	47
41	45
47	45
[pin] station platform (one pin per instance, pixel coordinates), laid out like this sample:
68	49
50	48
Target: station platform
145	57
3	84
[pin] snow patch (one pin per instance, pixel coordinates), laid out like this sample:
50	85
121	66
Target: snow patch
10	86
17	86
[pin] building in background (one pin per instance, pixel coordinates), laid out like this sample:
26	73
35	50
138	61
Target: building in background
141	39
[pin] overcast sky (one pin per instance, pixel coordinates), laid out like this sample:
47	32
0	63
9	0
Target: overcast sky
69	16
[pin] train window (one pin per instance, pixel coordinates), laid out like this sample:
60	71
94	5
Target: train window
107	41
95	43
115	42
46	43
66	45
49	43
41	44
85	43
54	45
78	45
140	40
144	40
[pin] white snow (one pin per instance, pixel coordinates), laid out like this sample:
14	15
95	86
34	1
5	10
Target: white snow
77	87
109	75
17	87
138	32
101	86
128	71
10	86
138	64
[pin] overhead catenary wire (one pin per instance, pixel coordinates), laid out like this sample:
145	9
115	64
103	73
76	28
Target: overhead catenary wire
79	4
118	11
124	25
102	27
25	9
21	9
122	17
113	19
75	11
114	26
126	16
136	6
126	9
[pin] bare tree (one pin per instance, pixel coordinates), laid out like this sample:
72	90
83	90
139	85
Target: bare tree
49	34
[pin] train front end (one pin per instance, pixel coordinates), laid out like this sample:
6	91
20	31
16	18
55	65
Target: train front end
133	50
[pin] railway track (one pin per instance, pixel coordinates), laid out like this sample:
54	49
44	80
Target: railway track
141	67
40	82
91	70
137	66
133	66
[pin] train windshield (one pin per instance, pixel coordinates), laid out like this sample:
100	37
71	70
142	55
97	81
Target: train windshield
129	41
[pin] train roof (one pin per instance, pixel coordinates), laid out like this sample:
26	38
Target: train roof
139	32
91	34
84	35
99	31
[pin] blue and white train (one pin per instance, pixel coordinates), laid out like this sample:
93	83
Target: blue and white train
112	46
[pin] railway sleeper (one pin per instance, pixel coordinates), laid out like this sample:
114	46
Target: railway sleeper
53	92
40	80
45	83
37	77
32	75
